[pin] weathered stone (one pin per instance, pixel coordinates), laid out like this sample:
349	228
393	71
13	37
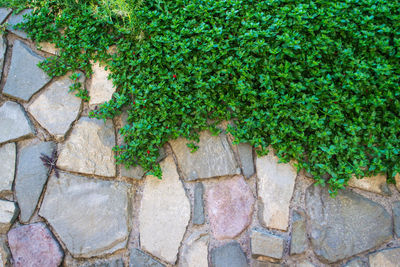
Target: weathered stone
103	263
14	123
345	225
304	263
7	166
246	158
195	253
5	255
397	179
167	197
24	78
33	245
139	259
56	108
198	207
101	89
266	244
230	254
387	258
4	12
8	213
90	215
298	242
15	19
357	262
3	48
49	48
275	190
213	158
230	206
31	177
89	148
396	218
376	184
266	264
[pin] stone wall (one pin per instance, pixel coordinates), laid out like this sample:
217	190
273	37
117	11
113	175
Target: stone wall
221	206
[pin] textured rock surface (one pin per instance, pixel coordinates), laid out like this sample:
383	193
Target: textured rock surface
100	89
102	263
3	47
140	259
14	123
33	245
246	158
376	184
346	225
89	215
195	253
31	177
24	78
49	48
213	158
7	166
397	178
298	242
266	264
56	108
8	213
4	12
5	255
304	263
387	258
15	19
89	148
396	218
275	190
228	255
164	206
265	244
230	206
198	207
357	262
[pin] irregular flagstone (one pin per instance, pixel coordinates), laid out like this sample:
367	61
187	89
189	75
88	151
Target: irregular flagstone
15	19
24	78
5	255
266	244
31	177
164	206
230	206
33	245
198	206
387	258
298	242
89	148
7	166
266	264
304	263
3	48
345	225
396	218
357	262
246	158
101	88
49	48
195	253
103	263
4	12
8	214
56	108
14	123
275	189
140	259
213	158
376	184
230	254
90	215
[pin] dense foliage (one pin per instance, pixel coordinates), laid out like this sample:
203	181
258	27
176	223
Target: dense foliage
317	80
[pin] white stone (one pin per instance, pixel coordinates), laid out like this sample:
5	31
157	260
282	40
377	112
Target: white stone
195	253
376	184
8	213
164	213
275	189
7	166
14	123
101	88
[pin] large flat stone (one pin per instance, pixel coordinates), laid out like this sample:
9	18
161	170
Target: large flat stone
195	253
56	108
15	19
14	124
24	78
164	206
385	258
101	89
213	158
376	184
396	218
4	12
246	158
228	255
266	244
140	259
298	243
198	205
7	167
346	225
31	177
89	148
275	189
89	215
8	214
3	48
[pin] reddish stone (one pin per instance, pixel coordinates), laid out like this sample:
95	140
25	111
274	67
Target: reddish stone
33	245
230	206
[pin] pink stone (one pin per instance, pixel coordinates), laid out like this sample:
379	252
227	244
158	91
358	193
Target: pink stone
230	206
33	245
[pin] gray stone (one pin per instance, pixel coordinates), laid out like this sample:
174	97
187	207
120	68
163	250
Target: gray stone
213	158
31	177
24	78
195	251
7	166
3	48
246	158
14	124
346	225
4	12
357	262
396	218
89	215
15	19
265	264
8	213
139	259
104	263
298	243
56	108
387	258
266	244
198	207
228	255
305	263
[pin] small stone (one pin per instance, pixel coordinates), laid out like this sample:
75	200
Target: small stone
198	207
298	243
246	157
139	259
275	189
89	148
24	78
4	12
56	108
397	179
357	262
195	253
230	206
213	158
396	218
7	166
8	213
102	263
101	89
376	184
3	48
14	124
5	254
304	263
49	48
387	258
89	215
228	255
31	177
164	206
33	245
18	18
265	244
